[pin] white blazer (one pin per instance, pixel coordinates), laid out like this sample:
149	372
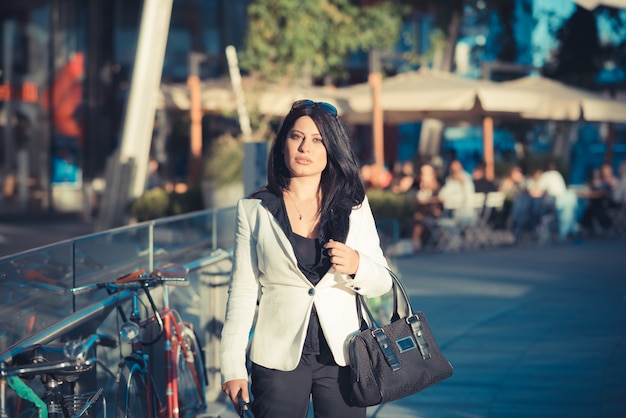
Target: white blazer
265	268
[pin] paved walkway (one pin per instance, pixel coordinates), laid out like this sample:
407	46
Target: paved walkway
21	232
531	332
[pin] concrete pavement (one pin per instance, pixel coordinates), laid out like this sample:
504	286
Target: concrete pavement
21	232
535	331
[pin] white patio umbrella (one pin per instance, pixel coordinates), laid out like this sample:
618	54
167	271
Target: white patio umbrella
563	102
592	4
216	96
277	100
431	94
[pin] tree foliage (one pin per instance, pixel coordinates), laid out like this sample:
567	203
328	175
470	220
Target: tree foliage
579	55
614	53
448	19
448	16
506	45
293	38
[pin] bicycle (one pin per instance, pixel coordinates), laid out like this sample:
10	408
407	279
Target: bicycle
58	367
138	395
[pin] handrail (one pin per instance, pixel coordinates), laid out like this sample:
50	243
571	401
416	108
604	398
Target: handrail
47	335
215	256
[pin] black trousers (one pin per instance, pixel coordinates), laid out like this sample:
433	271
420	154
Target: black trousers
279	394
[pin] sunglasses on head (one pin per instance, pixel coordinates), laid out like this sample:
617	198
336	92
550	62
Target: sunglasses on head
326	107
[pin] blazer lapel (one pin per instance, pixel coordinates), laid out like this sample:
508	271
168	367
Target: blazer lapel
282	239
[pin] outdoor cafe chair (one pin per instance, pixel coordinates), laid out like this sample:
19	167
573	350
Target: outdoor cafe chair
494	202
446	230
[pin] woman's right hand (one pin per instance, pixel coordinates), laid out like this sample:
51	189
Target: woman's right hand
237	391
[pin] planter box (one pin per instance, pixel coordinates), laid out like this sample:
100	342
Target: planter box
221	196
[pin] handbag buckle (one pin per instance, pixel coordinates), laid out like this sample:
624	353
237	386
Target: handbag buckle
416	326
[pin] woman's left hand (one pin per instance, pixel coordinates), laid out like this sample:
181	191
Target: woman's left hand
343	258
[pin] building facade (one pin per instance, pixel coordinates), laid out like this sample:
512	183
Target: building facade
65	67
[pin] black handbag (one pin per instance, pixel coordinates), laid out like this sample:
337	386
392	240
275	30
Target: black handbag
397	359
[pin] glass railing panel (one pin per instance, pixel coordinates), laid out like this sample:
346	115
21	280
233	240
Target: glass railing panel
34	285
183	239
34	291
225	227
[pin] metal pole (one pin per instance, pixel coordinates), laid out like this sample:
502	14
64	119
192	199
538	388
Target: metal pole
151	247
193	83
375	81
142	98
133	154
3	388
235	79
488	147
9	33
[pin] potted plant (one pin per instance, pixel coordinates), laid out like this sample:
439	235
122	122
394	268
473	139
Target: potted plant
222	183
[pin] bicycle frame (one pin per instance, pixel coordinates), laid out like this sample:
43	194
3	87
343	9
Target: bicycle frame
171	331
172	343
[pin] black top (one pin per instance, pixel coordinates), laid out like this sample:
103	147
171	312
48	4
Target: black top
484	186
312	261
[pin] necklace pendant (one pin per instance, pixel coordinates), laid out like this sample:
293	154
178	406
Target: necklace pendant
300	217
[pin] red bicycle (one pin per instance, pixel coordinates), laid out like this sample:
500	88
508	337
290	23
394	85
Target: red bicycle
139	394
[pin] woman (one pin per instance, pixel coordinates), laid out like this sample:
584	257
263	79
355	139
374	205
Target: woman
304	245
599	199
459	185
427	204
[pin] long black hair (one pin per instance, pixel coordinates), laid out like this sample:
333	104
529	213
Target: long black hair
341	185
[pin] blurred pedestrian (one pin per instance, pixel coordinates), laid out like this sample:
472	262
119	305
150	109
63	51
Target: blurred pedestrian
521	209
619	193
154	175
514	183
304	245
403	177
481	183
427	204
599	199
459	185
609	181
551	186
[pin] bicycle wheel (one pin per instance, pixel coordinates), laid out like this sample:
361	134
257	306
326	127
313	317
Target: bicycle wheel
192	380
131	392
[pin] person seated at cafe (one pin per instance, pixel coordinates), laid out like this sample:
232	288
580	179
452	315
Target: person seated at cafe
551	187
599	199
608	178
481	183
459	184
619	193
424	194
374	177
514	183
518	206
403	177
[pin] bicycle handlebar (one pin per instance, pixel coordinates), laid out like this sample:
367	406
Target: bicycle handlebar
169	275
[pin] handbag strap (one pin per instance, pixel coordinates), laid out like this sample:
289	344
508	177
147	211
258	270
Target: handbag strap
385	346
416	327
398	290
411	318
